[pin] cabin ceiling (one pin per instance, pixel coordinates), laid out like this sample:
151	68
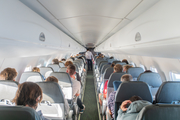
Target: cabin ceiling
89	22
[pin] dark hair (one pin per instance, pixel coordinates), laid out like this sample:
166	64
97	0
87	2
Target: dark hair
68	63
124	60
147	71
111	57
27	94
63	59
135	98
113	64
126	77
118	68
9	73
55	61
51	79
72	69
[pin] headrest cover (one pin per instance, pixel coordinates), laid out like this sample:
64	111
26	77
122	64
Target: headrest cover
121	63
116	85
29	75
135	71
113	77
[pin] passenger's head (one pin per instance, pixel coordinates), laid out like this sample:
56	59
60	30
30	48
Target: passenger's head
135	98
147	71
71	70
68	63
28	94
55	61
126	77
8	74
124	60
118	68
51	79
111	57
126	67
63	59
35	69
113	64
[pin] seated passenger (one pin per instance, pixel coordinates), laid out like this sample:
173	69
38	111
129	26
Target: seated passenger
117	68
76	86
111	98
36	69
124	60
29	94
63	60
126	67
54	79
55	61
8	74
129	109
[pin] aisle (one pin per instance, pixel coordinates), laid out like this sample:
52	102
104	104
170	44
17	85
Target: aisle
91	111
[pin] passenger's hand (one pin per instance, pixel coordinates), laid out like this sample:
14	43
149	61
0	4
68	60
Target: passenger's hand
124	104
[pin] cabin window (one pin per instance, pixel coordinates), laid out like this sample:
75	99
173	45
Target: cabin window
133	64
142	66
153	69
39	65
28	68
174	76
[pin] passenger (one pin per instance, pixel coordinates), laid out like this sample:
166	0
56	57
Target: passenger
76	87
126	67
36	69
129	109
113	64
90	59
117	68
8	74
124	60
111	57
55	61
54	79
111	98
29	94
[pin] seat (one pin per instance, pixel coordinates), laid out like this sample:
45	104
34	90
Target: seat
116	61
61	64
128	89
44	70
62	69
135	72
168	92
159	112
18	113
121	63
55	67
53	101
152	79
8	89
64	81
31	77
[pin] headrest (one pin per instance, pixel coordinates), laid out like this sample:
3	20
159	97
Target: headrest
151	78
135	71
159	112
9	82
55	67
121	63
51	92
102	63
104	67
116	61
168	92
116	85
108	72
61	64
62	69
18	113
63	77
43	70
113	77
128	89
31	77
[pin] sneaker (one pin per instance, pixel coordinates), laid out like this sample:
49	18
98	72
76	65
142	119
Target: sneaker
82	110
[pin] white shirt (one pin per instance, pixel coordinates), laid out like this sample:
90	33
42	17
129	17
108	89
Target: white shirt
76	87
89	55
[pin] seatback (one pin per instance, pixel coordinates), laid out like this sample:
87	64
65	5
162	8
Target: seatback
18	113
159	112
64	81
62	69
128	89
61	64
31	77
113	77
168	92
98	61
116	61
110	60
8	89
44	70
104	67
108	72
101	65
55	67
135	72
152	79
121	63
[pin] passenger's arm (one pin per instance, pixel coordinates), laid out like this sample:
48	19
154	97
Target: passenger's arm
123	106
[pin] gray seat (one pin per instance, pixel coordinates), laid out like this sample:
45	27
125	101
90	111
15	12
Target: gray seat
18	113
168	92
128	89
55	67
62	69
152	79
104	67
135	72
116	61
61	64
44	70
108	72
31	77
102	63
121	63
159	112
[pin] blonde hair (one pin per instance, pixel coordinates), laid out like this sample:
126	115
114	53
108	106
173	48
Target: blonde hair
126	67
55	61
35	69
126	77
118	68
51	79
9	74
